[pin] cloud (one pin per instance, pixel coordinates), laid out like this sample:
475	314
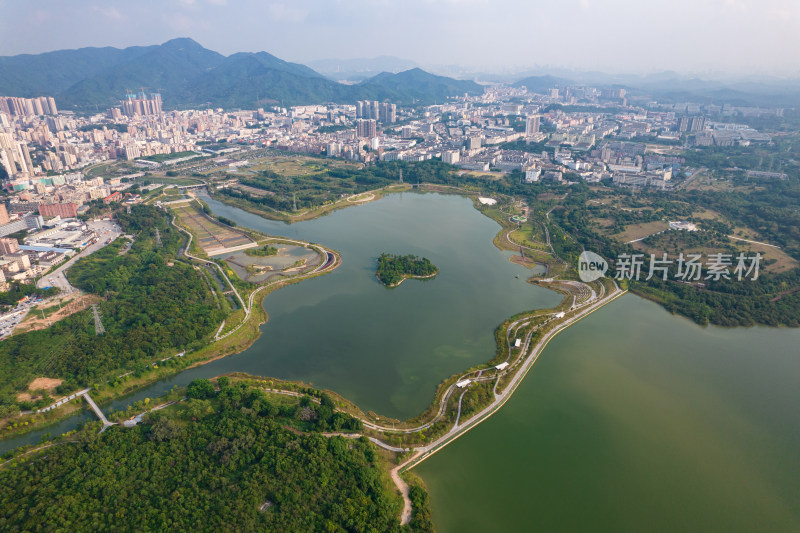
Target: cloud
108	12
738	5
40	16
282	12
184	24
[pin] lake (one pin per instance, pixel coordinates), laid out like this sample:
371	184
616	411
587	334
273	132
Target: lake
631	420
635	420
385	349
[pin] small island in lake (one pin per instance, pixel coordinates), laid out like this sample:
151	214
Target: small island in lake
264	251
394	269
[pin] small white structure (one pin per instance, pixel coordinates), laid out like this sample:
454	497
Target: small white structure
683	225
560	315
463	383
502	366
517	343
487	201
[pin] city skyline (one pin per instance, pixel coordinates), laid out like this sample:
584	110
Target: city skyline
708	37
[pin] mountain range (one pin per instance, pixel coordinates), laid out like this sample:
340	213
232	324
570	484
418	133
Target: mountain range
671	87
360	69
190	76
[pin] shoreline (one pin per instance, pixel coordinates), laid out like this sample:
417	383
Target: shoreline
329	263
258	293
256	297
405	277
311	214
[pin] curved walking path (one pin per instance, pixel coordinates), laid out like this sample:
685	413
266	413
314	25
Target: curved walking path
517	370
331	261
423	452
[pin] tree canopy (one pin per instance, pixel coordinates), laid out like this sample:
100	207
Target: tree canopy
240	461
393	269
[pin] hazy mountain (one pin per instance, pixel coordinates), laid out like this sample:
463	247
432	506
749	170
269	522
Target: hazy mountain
541	84
51	73
360	68
418	85
165	68
257	80
188	75
670	86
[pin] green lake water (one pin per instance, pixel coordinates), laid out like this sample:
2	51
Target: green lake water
635	420
385	349
388	349
631	420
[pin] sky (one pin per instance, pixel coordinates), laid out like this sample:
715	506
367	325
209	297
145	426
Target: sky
618	36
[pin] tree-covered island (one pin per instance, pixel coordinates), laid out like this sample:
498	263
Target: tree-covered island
394	269
264	251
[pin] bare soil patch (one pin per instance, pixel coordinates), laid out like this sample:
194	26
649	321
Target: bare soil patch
70	305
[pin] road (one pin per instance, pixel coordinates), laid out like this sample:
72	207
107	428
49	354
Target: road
691	178
753	242
185	251
106	230
13	318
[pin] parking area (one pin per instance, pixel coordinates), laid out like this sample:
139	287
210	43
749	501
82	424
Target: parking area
107	231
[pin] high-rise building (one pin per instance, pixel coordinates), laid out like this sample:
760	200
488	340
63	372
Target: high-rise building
4	218
532	125
367	128
131	151
388	113
8	246
368	110
140	104
451	156
14	155
28	107
693	124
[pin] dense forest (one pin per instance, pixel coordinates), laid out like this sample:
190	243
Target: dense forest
154	305
393	269
233	460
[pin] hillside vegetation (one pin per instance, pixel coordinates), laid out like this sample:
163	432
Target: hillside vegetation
154	306
236	460
190	76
